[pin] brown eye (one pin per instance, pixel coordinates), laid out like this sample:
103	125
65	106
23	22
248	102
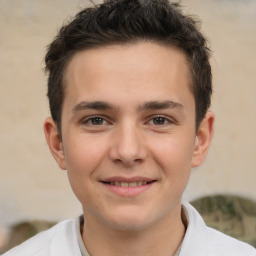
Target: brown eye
97	121
159	120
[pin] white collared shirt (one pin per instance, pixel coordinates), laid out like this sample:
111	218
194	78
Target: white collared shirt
199	240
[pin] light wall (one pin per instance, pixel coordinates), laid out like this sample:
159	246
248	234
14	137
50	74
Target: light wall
31	184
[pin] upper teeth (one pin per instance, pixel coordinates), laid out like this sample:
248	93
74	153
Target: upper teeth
128	184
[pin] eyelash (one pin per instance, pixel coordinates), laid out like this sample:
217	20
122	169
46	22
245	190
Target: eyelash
165	119
91	119
94	118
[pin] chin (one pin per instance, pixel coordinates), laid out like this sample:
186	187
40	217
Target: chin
129	225
130	221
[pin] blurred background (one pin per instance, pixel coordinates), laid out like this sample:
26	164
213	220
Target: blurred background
31	185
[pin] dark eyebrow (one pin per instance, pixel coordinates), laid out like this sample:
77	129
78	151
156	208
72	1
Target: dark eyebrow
155	105
102	105
98	105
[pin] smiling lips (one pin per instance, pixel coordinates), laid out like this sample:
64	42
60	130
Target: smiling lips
125	184
128	187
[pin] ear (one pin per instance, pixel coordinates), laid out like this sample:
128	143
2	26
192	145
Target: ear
54	142
203	139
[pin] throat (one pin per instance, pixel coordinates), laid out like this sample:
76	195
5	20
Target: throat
164	238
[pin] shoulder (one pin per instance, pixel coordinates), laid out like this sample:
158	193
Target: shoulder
221	244
203	240
50	242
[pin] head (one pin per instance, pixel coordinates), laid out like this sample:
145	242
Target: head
124	22
129	89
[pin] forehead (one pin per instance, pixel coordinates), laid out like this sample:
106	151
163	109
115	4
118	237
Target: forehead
140	69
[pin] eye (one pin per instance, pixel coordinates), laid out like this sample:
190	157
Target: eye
160	120
95	120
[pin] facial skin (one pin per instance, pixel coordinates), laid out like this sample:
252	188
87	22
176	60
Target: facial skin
129	116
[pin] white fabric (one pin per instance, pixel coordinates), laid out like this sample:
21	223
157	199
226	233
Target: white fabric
200	240
79	237
60	240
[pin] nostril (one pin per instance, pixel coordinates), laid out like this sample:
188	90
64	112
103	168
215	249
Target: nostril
127	162
118	161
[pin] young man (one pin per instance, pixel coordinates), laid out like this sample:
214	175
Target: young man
129	90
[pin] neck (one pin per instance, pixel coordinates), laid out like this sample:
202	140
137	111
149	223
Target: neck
161	238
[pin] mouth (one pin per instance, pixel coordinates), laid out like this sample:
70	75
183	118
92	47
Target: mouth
126	184
128	187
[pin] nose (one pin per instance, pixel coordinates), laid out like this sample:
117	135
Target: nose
128	145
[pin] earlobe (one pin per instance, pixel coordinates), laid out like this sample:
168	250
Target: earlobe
54	142
203	139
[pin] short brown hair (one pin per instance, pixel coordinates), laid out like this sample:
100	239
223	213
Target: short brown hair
127	21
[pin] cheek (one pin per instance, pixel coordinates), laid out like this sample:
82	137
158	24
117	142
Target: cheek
83	154
174	155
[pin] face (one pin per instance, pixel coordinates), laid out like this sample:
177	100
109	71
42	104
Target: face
128	133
